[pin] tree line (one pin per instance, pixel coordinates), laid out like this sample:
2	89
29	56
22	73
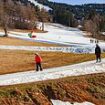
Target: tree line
94	23
21	15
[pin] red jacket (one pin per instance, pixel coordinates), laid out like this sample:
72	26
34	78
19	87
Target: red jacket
38	59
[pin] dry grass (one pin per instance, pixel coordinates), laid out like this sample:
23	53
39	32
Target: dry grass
73	89
16	42
25	30
15	61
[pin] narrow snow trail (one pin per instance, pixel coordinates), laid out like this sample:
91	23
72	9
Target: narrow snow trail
85	49
53	73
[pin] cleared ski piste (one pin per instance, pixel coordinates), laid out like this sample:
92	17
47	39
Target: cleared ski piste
59	34
53	73
62	35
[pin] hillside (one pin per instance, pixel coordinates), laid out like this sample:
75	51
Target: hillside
35	3
89	88
72	15
79	11
40	5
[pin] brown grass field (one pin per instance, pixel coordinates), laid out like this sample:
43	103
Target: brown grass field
19	42
16	61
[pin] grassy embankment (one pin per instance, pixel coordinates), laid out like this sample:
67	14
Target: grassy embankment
73	89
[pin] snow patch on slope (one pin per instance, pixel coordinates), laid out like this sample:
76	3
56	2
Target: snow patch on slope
2	34
40	5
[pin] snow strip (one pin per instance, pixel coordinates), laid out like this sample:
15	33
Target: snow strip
58	102
53	73
50	49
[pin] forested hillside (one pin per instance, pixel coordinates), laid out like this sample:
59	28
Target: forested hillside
68	14
79	11
90	16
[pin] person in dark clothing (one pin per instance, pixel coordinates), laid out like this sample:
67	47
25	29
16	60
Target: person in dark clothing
98	53
38	61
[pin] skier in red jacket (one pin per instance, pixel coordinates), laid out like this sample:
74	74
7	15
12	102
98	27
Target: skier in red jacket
38	61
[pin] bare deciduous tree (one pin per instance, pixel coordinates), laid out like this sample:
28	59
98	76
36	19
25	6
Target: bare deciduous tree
43	17
92	25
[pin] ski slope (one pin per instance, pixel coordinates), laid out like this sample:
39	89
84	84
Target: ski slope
57	33
62	35
84	68
39	5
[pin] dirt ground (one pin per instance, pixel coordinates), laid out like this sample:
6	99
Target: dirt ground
16	61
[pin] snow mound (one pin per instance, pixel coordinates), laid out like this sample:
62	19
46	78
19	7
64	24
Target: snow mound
103	33
58	102
1	34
